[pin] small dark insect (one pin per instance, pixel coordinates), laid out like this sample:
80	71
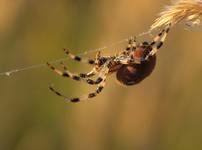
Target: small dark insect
131	66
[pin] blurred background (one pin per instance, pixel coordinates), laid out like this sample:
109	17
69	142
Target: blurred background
163	112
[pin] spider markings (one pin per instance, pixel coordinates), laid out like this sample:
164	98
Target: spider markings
78	58
131	66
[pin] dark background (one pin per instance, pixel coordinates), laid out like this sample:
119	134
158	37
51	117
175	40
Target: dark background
164	112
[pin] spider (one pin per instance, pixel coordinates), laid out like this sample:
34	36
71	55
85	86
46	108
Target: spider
131	66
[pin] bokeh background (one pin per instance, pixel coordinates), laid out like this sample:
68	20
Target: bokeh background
164	112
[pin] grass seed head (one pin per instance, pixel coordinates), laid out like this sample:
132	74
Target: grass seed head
188	11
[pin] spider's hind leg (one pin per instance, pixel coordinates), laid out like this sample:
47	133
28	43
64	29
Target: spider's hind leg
132	44
158	41
162	34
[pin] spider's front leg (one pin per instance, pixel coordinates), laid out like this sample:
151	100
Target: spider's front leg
98	90
99	61
79	58
90	61
81	75
77	77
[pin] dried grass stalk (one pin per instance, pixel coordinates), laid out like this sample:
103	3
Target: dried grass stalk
189	11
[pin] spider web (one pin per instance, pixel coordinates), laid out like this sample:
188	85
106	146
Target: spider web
30	67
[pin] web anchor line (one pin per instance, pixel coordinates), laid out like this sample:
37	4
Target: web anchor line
14	71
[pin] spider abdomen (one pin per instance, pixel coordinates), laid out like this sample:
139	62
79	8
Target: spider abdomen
134	73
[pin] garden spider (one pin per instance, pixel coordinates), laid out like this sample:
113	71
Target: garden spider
131	66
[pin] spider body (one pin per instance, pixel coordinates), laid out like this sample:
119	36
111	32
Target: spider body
134	73
130	74
131	66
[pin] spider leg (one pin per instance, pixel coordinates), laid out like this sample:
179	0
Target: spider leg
158	37
132	44
90	61
98	90
80	77
78	58
158	41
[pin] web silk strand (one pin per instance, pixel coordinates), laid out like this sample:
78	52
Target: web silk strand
17	70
